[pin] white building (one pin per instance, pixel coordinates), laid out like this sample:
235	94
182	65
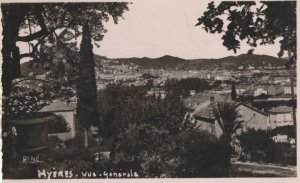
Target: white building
287	90
260	91
281	116
60	108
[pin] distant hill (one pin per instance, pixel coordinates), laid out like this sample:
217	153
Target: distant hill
231	62
166	61
171	62
28	67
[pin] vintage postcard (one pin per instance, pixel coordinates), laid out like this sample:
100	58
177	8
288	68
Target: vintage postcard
149	89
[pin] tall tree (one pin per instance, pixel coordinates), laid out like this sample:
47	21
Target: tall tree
86	88
256	23
62	20
11	23
64	23
233	92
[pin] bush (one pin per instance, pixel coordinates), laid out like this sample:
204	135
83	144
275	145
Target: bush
203	156
281	153
155	153
258	146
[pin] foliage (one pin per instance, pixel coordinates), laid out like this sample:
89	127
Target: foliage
281	153
59	125
253	22
26	102
60	62
155	139
86	86
284	130
112	105
149	76
233	92
254	142
183	86
156	152
229	119
259	145
202	156
62	20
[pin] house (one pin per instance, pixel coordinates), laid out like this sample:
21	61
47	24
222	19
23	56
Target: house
192	92
200	112
222	90
240	89
254	118
241	67
222	78
199	108
281	116
280	138
157	92
287	90
260	90
271	90
205	120
58	107
203	99
250	67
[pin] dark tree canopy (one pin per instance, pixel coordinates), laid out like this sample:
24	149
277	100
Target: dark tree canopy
86	87
62	21
233	92
256	23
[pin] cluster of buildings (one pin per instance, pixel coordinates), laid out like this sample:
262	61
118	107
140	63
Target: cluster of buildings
272	82
200	110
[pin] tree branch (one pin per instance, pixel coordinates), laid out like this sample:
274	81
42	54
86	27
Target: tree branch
32	37
30	54
32	79
40	17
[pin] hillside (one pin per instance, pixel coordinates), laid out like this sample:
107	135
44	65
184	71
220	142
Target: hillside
170	62
163	62
231	62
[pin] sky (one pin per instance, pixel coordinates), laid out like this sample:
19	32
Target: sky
153	28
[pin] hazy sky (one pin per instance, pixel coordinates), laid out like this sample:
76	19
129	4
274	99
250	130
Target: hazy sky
155	28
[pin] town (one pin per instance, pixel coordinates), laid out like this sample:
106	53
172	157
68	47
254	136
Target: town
113	90
263	93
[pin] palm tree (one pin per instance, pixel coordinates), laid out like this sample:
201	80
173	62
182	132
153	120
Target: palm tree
229	120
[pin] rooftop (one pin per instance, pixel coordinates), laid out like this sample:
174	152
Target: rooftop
57	106
281	109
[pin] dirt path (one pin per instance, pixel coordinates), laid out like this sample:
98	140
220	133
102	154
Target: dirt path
266	169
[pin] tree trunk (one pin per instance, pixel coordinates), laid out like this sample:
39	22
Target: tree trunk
11	22
293	100
86	142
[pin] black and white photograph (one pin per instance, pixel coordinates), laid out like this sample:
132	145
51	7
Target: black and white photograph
148	89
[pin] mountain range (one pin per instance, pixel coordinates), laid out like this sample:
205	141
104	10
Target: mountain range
171	62
230	62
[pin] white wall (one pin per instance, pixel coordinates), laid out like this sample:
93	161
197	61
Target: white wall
69	117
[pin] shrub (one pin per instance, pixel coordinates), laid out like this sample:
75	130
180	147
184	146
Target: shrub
155	153
281	153
258	145
203	156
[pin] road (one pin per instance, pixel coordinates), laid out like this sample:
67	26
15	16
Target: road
266	169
